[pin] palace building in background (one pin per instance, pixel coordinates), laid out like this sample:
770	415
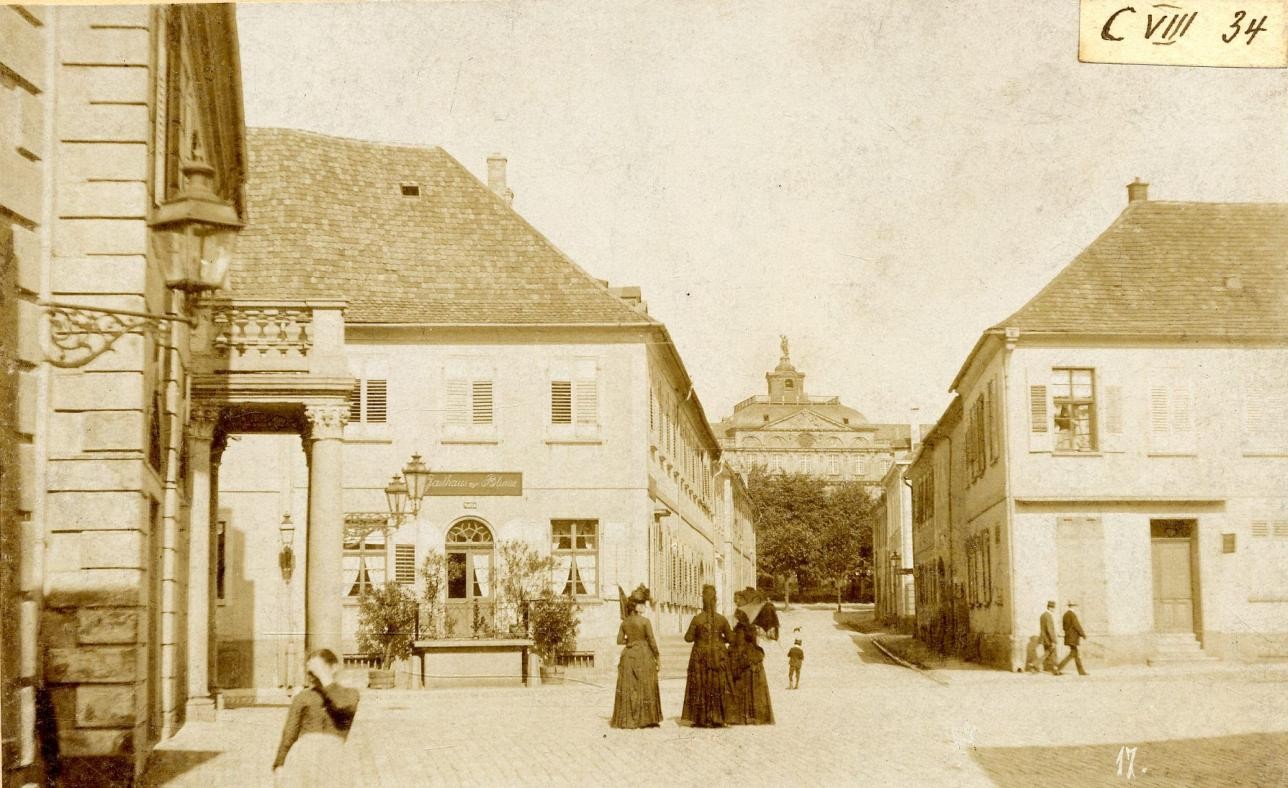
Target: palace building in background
1121	441
790	431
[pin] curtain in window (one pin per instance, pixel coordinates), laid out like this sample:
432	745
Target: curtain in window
562	570
482	574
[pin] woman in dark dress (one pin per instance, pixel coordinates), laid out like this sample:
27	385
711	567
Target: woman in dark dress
708	693
751	704
637	703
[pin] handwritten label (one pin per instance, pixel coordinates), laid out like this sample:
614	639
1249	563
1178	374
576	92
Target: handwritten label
1230	33
471	484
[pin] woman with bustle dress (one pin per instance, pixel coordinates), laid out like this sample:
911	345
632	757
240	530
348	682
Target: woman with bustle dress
708	692
637	704
751	705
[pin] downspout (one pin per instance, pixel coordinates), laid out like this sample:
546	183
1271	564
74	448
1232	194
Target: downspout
1012	334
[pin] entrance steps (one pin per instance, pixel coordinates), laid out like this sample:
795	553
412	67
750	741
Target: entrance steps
1178	648
675	656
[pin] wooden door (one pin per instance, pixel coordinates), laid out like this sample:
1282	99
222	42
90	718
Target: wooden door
1173	586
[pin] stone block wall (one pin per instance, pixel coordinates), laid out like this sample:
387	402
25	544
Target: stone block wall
24	153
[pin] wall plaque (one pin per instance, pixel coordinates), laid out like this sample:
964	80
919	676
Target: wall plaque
472	484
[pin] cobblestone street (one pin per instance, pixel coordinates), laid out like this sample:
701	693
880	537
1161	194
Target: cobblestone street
855	718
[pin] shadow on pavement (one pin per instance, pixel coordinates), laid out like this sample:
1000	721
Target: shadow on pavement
1257	759
166	765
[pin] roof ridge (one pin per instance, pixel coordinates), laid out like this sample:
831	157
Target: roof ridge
355	140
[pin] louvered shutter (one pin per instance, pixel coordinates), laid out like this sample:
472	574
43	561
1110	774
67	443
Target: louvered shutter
405	563
1111	426
1039	396
586	391
456	406
481	402
1183	411
355	402
560	402
1160	416
1261	528
377	404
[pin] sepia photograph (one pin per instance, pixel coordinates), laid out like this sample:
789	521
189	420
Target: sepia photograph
655	392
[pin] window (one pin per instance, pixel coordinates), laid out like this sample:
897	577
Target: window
1074	403
834	465
410	190
364	559
469	402
574	400
1265	412
994	422
369	397
976	439
575	548
405	563
1171	413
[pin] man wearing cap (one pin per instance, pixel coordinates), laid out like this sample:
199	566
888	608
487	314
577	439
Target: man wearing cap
1073	635
795	656
1047	639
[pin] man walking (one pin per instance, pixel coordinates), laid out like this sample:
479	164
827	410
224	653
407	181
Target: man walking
1073	635
1047	638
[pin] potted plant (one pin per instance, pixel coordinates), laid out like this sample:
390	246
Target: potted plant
386	623
553	621
434	573
522	575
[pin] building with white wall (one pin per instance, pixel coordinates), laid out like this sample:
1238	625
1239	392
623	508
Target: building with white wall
1123	443
474	342
892	554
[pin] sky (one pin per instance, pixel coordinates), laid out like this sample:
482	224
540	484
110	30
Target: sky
879	181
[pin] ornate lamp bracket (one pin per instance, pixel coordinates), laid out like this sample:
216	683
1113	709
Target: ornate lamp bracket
78	333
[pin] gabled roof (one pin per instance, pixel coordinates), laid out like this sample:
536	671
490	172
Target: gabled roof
1164	268
327	219
807	417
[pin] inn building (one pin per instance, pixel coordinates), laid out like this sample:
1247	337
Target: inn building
1121	442
550	409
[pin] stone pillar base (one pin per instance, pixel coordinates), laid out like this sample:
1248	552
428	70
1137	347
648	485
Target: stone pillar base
200	710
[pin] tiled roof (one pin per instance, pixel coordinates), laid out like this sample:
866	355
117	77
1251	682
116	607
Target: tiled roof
327	219
1173	268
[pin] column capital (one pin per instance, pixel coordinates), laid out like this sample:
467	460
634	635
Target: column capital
326	422
202	422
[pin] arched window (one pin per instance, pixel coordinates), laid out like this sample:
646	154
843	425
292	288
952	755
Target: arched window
469	546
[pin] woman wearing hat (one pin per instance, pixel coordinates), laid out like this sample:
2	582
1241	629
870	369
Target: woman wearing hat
637	703
708	691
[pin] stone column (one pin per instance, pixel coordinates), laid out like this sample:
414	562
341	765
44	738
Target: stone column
202	422
323	576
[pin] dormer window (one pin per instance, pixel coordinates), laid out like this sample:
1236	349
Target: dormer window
791	384
411	190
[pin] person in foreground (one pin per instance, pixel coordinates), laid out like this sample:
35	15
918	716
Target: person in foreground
312	748
708	692
751	704
637	704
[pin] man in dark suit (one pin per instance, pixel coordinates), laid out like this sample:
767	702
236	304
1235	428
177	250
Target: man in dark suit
1073	635
1047	639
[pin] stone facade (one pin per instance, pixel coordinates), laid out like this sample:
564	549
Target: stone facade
110	114
790	431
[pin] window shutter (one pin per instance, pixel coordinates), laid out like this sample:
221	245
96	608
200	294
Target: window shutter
355	402
1111	416
377	405
456	405
481	401
994	427
560	402
1183	412
1281	529
1040	438
1160	419
586	401
405	563
1261	528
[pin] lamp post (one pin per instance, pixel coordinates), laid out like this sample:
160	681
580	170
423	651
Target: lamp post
404	492
286	556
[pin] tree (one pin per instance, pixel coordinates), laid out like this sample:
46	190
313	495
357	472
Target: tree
820	532
524	574
386	623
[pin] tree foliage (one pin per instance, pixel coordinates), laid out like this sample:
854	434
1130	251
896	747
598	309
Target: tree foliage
387	623
819	531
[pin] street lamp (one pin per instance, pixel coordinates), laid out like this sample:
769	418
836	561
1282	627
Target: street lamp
286	557
416	472
199	227
396	496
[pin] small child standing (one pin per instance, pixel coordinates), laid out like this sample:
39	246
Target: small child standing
795	656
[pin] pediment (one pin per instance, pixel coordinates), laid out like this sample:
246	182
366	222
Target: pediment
806	420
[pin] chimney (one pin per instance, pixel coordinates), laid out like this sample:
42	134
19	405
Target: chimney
1137	191
496	177
914	430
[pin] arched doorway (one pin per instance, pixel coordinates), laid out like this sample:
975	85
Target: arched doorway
469	548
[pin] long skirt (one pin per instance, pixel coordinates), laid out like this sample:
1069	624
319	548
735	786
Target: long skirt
637	704
751	705
708	691
317	759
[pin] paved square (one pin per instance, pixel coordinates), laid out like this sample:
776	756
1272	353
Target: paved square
856	718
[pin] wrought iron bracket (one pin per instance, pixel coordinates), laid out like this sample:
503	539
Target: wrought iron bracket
79	333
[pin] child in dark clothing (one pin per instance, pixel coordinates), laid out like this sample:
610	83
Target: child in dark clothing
795	656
